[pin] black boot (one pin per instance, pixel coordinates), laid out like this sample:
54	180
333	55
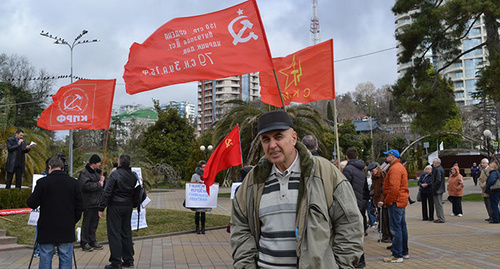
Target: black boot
197	222
203	222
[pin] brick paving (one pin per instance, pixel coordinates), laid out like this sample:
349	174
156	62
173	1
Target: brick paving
461	242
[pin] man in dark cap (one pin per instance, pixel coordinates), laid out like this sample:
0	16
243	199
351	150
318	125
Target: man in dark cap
91	183
293	209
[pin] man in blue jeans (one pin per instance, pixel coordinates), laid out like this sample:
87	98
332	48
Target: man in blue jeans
61	206
396	193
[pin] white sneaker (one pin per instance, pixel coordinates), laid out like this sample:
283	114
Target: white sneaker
393	259
460	215
453	215
406	256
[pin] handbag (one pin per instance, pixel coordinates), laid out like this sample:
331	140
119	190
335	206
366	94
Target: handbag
495	186
419	196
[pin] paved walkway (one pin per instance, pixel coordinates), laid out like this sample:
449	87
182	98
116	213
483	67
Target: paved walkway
466	242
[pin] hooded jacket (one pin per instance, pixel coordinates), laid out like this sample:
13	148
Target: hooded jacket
329	227
355	174
456	184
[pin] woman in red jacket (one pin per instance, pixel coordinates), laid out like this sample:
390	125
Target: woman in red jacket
456	191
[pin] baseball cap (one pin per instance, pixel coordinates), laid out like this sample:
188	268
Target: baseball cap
371	166
393	152
274	120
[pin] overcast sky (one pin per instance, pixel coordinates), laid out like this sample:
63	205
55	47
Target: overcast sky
356	26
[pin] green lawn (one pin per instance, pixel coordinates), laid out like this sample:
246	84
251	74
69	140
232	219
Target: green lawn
473	197
160	221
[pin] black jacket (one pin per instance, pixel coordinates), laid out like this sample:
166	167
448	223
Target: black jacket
119	189
355	174
61	207
425	178
14	150
438	180
90	186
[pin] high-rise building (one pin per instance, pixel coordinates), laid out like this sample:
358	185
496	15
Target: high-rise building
463	71
212	94
186	110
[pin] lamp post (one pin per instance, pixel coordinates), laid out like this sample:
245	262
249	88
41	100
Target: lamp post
206	150
77	41
487	134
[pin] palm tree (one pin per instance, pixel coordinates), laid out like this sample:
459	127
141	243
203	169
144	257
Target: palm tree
306	119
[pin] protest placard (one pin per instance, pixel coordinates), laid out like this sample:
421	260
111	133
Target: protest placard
234	186
35	213
197	196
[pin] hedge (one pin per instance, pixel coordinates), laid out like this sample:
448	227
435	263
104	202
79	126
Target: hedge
14	198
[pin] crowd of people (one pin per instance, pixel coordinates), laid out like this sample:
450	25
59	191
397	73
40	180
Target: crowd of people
283	213
62	201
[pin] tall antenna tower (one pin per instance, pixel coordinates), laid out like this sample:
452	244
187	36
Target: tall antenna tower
315	37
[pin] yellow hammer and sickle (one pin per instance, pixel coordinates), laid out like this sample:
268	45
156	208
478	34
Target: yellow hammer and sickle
229	142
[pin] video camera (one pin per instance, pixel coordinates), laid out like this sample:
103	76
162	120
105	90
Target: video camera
62	156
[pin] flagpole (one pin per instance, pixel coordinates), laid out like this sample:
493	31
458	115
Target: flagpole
279	89
105	148
337	148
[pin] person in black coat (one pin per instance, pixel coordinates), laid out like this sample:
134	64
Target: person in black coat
91	183
16	146
118	197
425	184
61	206
355	173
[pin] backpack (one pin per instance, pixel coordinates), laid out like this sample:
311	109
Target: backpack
139	194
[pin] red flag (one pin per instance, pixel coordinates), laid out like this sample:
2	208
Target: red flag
227	154
305	76
220	44
84	104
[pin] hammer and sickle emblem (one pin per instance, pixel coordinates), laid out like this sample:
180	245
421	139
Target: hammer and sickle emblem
229	142
238	37
73	104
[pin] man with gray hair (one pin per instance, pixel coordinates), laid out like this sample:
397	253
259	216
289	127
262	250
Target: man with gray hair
293	210
483	176
438	188
311	144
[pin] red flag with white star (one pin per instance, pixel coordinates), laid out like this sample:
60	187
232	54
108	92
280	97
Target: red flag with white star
304	76
227	154
225	43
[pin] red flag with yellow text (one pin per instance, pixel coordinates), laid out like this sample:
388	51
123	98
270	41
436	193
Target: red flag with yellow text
84	104
304	76
227	154
215	45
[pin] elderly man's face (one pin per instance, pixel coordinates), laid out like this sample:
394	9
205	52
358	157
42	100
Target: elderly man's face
279	147
390	158
484	164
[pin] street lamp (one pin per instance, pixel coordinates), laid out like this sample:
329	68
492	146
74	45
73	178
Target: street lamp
77	41
206	150
487	134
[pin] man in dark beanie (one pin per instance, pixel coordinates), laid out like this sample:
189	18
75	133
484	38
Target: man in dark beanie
91	183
